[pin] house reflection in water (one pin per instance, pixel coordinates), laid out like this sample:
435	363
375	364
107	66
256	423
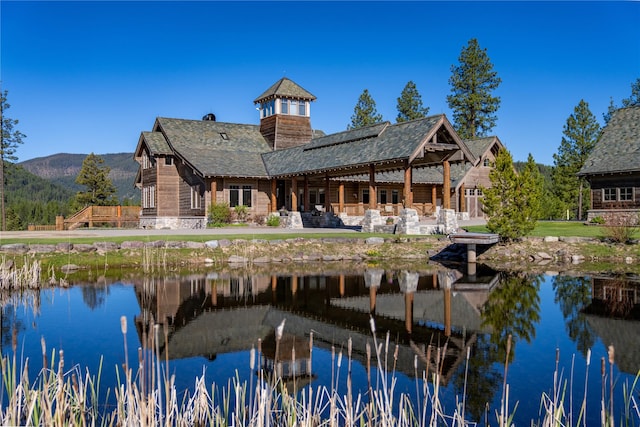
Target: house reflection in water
614	315
222	313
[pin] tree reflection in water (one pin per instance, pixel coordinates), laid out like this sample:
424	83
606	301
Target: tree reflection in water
513	308
94	295
573	294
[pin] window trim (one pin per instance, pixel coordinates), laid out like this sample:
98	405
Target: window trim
196	198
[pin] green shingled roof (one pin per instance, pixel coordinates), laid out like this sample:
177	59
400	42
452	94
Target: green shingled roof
217	148
395	142
618	149
285	88
479	146
424	175
156	143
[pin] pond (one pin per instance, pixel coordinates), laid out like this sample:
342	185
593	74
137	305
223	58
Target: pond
210	322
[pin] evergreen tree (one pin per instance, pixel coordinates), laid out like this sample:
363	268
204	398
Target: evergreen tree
410	104
471	101
513	202
581	133
95	176
364	113
632	101
10	138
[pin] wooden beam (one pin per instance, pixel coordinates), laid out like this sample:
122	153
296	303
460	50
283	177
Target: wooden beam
340	197
373	200
462	196
407	193
446	185
274	200
294	195
327	194
306	195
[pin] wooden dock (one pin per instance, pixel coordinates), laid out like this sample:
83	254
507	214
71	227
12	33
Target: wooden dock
473	239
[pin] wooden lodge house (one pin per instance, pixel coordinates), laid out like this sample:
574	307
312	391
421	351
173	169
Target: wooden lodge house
613	170
283	164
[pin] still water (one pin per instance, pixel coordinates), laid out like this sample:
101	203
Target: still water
214	319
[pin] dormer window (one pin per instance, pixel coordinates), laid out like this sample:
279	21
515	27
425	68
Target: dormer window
224	136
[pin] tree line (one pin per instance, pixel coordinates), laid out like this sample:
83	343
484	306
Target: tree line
27	199
518	187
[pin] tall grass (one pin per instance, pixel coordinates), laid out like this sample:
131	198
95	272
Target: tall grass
146	394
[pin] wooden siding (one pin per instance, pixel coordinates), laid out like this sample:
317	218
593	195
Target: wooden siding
186	181
598	184
168	181
284	131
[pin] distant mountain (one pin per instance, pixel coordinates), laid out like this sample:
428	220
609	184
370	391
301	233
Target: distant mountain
62	169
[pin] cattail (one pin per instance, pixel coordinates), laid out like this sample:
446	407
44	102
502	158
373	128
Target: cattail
280	330
252	358
123	324
611	354
372	324
340	359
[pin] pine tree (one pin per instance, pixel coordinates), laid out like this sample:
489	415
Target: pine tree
10	138
471	101
581	133
95	176
513	202
632	101
364	113
410	104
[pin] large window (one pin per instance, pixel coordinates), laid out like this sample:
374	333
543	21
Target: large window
621	194
382	197
365	197
267	108
239	195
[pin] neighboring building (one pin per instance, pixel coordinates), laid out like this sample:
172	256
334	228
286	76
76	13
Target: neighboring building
613	169
282	163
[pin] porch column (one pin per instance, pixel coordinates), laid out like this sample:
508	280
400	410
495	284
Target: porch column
446	185
434	197
214	191
306	201
373	197
407	193
294	194
341	197
462	196
274	201
327	194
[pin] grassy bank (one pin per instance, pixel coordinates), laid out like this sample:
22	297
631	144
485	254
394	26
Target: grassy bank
562	229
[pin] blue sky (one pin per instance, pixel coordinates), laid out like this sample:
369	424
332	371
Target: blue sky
90	76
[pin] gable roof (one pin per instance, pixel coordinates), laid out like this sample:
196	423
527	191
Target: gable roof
285	88
618	149
375	144
479	146
216	148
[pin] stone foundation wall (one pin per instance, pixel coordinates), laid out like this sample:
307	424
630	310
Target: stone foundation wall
616	216
173	223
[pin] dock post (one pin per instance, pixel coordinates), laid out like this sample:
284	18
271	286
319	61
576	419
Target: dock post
471	252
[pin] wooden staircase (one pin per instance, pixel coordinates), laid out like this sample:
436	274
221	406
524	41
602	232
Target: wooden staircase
115	216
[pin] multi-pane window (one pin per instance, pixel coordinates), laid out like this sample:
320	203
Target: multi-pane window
239	195
621	194
267	108
293	107
196	200
149	197
168	161
146	164
626	194
394	197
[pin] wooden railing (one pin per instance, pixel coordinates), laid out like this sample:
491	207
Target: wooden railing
117	216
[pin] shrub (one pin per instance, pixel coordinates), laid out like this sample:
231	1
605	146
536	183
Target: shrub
273	221
219	214
597	220
241	212
621	230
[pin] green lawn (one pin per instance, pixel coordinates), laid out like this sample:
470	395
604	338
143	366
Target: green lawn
561	228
